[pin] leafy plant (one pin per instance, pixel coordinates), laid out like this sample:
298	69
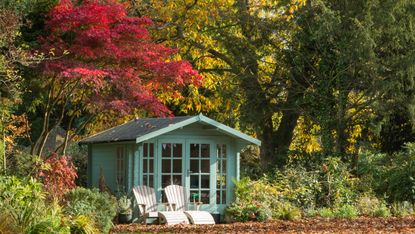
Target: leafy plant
124	205
346	211
326	212
22	200
58	175
100	207
83	224
286	211
402	209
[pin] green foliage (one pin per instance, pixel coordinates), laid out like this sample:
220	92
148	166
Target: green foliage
326	212
23	200
286	211
346	211
100	207
301	186
382	211
369	205
392	175
338	185
124	205
83	224
402	209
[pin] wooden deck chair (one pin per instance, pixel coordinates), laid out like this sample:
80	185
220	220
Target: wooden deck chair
178	198
147	205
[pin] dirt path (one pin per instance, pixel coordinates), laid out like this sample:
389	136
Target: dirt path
315	225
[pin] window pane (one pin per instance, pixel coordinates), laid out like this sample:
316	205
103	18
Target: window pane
145	148
151	145
194	181
224	151
145	180
165	180
177	166
145	165
177	179
204	180
151	165
166	166
219	151
223	196
205	166
166	150
177	150
194	196
205	151
218	197
151	180
204	197
223	166
194	166
194	150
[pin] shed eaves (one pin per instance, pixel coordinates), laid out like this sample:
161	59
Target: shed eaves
133	129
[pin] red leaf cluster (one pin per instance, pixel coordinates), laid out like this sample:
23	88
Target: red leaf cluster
58	175
112	55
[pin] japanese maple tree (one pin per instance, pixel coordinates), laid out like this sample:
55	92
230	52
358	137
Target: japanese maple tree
105	61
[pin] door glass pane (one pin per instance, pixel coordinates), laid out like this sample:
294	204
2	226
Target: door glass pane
194	166
205	151
177	150
166	150
145	165
194	150
194	196
165	165
223	166
151	145
194	181
204	197
151	165
151	180
145	180
177	179
145	150
177	166
205	166
165	180
204	180
223	196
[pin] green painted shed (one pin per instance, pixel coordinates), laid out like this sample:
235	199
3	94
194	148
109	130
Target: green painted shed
193	151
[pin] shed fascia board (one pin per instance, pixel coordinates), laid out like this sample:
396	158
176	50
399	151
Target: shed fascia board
167	129
199	118
230	130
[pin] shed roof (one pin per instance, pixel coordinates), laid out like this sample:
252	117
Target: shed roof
143	129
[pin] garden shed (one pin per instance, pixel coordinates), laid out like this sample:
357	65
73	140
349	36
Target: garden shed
196	152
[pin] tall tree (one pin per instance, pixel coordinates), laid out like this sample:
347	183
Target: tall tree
240	45
105	61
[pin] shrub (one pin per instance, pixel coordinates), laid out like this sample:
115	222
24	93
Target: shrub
326	212
346	211
22	200
338	185
402	209
82	224
58	175
286	211
390	175
301	186
100	207
382	211
367	204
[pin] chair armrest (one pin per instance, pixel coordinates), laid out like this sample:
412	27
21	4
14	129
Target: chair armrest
197	204
143	207
170	206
